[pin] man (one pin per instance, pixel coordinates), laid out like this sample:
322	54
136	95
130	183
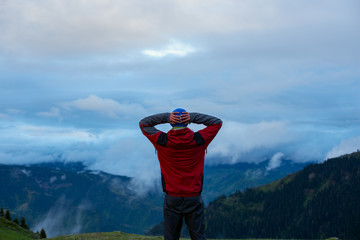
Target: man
181	154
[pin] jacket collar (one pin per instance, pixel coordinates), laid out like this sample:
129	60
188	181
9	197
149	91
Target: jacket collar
177	128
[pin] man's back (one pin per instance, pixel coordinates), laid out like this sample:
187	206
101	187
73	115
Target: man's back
181	154
182	163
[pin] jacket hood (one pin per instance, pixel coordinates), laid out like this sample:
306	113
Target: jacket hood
180	136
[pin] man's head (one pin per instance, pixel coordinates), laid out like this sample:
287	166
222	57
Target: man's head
179	112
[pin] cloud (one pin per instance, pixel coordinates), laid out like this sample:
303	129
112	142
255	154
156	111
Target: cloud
345	147
76	80
175	49
118	151
24	157
54	112
65	27
105	106
104	26
26	172
132	156
236	139
275	161
14	111
56	221
43	132
24	144
4	116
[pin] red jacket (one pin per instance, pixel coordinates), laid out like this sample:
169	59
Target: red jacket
181	152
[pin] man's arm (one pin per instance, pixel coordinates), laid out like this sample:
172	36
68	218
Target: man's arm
213	125
207	120
147	124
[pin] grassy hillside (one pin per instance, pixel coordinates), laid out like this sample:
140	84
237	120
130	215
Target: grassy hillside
120	236
106	236
12	231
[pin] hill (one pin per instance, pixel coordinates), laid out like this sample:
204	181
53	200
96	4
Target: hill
226	179
65	200
12	231
320	201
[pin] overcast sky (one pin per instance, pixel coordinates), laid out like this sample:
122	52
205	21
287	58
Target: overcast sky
77	76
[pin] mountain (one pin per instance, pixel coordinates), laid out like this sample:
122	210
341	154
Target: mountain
67	198
64	200
226	179
322	200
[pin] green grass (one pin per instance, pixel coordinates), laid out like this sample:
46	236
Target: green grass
122	236
273	186
106	236
12	231
115	236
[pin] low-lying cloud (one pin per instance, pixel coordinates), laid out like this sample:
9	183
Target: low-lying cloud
345	147
236	139
275	161
56	221
127	152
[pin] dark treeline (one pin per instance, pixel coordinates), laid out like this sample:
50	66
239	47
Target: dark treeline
321	201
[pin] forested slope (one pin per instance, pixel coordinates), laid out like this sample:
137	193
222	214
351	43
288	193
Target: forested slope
320	201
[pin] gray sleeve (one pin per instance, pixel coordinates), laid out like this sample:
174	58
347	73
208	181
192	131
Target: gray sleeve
147	124
207	120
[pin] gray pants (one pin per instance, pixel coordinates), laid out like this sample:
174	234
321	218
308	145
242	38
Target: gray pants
175	208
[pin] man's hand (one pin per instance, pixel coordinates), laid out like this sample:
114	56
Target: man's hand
174	119
183	118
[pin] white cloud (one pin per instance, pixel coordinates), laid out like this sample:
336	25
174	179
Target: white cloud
106	106
56	220
345	147
118	151
131	156
24	156
53	179
3	116
54	112
14	111
26	172
275	161
56	134
236	139
176	49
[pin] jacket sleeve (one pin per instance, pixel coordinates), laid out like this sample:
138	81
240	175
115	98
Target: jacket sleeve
213	125
147	126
